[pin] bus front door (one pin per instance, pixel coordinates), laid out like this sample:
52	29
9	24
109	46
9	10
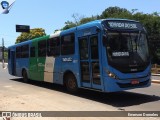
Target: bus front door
89	62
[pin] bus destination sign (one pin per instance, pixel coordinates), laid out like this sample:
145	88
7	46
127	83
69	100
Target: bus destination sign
122	25
117	24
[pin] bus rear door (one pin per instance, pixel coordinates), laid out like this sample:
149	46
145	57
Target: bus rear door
13	63
33	67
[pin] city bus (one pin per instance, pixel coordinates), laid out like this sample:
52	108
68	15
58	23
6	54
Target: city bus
105	55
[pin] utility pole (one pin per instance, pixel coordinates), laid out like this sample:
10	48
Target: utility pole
3	53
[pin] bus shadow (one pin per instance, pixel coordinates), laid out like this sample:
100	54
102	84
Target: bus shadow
120	99
116	99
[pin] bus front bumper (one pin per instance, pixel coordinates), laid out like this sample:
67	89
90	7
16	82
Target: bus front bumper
114	85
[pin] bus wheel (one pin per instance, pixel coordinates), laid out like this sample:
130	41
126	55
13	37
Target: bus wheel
71	83
25	76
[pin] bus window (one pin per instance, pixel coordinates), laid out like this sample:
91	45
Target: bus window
85	73
18	52
94	47
96	73
8	53
67	44
42	48
53	47
32	52
83	49
25	51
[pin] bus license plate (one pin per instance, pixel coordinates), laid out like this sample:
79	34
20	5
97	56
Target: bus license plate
134	82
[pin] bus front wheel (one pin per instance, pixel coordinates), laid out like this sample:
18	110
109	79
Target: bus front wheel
25	76
71	83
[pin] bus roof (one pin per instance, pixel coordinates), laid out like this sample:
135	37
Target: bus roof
94	23
119	19
80	27
29	41
19	44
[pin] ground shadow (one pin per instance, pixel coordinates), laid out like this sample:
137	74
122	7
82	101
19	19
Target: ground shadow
117	99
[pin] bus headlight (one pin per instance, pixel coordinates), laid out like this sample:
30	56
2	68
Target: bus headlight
112	75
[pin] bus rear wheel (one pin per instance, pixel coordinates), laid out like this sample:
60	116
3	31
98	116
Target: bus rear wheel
71	83
25	76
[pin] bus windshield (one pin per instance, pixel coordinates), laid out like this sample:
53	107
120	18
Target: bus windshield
128	49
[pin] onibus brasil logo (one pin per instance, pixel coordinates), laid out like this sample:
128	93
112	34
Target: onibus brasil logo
6	115
6	5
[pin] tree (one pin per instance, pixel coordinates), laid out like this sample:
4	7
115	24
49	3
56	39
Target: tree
116	12
69	24
88	19
34	33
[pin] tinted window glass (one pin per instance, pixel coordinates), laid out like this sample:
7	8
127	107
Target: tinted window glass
67	44
32	52
18	52
25	51
83	47
8	53
42	48
94	47
53	47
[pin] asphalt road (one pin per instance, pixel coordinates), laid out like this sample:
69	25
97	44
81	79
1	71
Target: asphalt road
16	95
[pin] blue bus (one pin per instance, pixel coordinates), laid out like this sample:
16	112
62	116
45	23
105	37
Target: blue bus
107	55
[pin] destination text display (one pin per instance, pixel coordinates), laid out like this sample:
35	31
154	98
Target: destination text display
123	25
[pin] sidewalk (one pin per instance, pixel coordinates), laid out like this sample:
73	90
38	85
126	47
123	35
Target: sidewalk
5	65
156	79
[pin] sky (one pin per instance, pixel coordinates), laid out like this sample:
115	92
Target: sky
52	14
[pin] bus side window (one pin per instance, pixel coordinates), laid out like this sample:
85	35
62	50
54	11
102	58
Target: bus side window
83	45
32	52
18	52
9	54
53	47
94	47
42	48
67	44
25	51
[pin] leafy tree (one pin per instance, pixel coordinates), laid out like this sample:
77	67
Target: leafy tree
34	33
69	24
88	19
116	12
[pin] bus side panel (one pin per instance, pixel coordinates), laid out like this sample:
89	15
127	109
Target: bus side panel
48	70
57	70
33	67
22	63
40	67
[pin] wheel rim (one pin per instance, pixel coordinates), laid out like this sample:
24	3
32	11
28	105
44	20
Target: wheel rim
71	84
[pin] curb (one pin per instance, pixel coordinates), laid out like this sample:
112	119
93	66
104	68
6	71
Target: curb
156	81
155	74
